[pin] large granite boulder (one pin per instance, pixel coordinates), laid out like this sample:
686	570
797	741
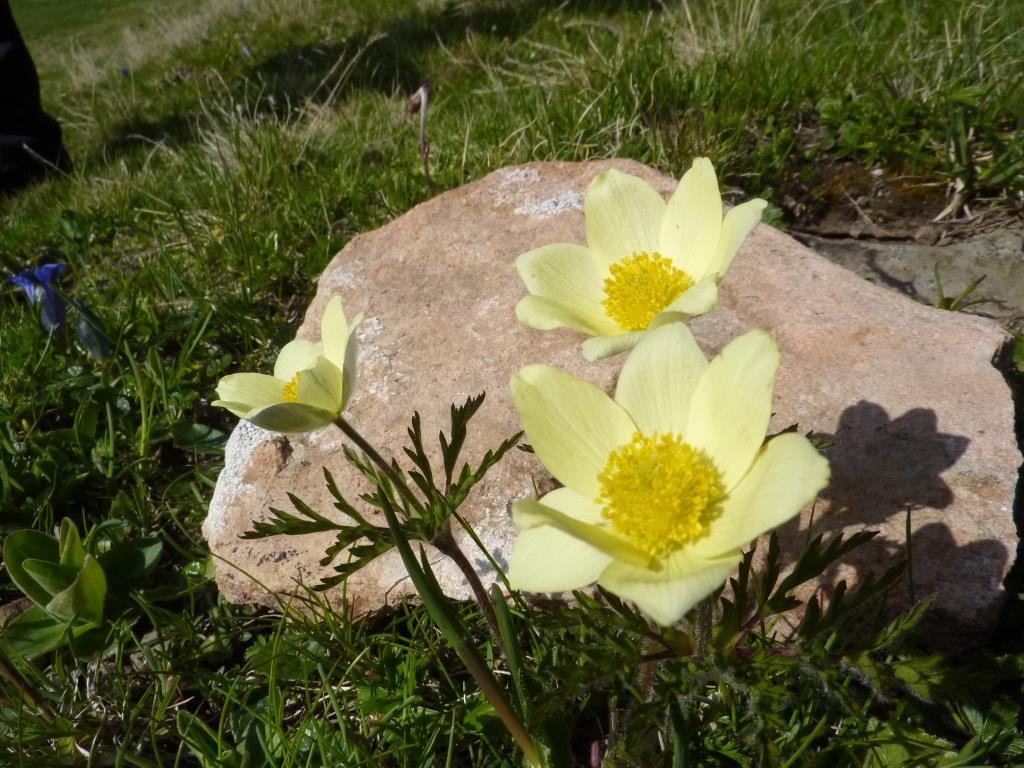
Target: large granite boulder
919	420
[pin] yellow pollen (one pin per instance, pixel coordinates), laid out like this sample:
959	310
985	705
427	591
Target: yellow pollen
639	287
660	492
290	391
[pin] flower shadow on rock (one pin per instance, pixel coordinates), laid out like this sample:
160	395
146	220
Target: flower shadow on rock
881	468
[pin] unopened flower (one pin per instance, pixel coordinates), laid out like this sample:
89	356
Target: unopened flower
663	484
646	263
311	384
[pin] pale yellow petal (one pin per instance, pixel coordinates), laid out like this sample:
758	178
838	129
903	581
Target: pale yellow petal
334	332
545	314
545	559
658	379
600	347
785	477
623	215
290	417
531	514
251	390
351	365
571	424
321	386
667	594
571	277
238	409
295	356
700	299
573	504
739	222
732	404
693	220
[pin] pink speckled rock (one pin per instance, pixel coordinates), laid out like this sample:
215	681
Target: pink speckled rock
918	417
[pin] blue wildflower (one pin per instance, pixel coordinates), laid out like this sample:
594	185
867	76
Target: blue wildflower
37	284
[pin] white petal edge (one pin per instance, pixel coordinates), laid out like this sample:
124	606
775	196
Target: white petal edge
658	379
785	477
571	424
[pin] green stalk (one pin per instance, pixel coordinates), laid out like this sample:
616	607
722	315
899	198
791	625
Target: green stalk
433	598
702	629
444	540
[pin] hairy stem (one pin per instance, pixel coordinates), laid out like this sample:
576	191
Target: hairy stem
444	540
702	629
369	450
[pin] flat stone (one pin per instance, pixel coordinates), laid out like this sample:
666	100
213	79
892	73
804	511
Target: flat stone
916	415
996	257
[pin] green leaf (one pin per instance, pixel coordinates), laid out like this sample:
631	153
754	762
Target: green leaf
425	477
460	416
83	600
129	561
510	643
284	523
72	553
469	477
203	742
53	577
812	563
29	545
33	633
198	438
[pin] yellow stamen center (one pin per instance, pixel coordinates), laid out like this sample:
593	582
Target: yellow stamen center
290	391
660	492
639	287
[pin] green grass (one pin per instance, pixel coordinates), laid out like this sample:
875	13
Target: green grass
62	21
244	145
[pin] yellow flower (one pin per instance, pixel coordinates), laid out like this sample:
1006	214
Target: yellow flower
312	381
663	484
647	262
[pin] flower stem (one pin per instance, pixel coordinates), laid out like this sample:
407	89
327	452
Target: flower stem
444	540
377	459
702	629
